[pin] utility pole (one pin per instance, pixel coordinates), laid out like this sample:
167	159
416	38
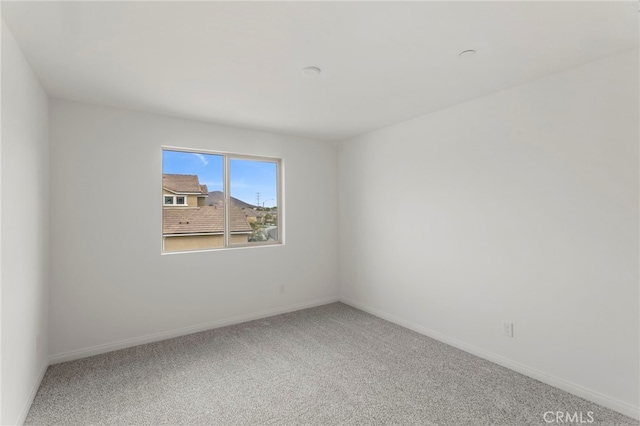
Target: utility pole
258	199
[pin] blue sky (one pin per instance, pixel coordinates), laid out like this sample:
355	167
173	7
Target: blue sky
247	177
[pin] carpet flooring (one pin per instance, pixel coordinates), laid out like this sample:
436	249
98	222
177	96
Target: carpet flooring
330	365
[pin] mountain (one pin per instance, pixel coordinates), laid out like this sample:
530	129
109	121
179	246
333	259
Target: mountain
216	198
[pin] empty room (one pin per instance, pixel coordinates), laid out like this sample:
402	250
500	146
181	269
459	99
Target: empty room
320	213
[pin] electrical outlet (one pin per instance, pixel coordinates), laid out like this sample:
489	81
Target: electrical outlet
282	288
507	328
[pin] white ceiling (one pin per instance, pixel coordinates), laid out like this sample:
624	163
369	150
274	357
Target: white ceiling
239	63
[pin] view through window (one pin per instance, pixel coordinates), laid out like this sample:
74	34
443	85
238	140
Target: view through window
215	200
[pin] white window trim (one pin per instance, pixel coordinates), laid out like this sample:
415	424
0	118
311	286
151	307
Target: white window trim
175	200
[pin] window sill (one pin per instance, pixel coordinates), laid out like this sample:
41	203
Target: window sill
234	247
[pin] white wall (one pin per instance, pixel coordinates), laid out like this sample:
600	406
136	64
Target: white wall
521	206
111	287
25	232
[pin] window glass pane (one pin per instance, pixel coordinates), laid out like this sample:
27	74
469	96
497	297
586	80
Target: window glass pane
195	215
253	212
197	182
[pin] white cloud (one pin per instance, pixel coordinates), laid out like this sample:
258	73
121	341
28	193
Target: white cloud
202	158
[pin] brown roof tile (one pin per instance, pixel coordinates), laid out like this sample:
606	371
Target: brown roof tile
183	184
200	220
250	212
238	220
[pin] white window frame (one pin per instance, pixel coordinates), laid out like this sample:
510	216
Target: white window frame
227	157
175	200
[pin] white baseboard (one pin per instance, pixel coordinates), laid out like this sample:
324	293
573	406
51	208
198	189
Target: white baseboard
588	394
127	343
34	389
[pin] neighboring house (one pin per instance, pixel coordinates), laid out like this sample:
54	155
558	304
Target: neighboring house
187	224
183	191
252	215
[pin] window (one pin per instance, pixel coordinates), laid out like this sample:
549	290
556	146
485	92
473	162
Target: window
170	200
219	200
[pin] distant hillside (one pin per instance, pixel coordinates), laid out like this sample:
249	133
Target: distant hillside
216	198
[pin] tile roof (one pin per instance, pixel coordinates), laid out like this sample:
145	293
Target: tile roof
238	220
250	212
208	219
183	184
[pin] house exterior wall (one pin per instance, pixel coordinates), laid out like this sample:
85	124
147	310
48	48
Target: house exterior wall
193	242
200	242
239	238
192	200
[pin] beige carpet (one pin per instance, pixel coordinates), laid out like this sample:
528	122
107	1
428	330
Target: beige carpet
331	365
